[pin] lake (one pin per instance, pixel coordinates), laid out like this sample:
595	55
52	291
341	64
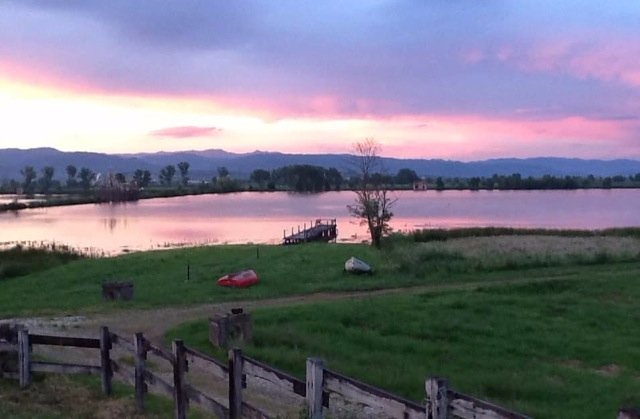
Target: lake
263	217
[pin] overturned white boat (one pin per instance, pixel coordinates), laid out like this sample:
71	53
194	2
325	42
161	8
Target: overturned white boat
358	266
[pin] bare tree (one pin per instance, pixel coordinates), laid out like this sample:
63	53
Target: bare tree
373	201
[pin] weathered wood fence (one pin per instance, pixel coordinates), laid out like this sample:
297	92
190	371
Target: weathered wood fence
321	392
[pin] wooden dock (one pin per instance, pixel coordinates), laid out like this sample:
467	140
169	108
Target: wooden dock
321	230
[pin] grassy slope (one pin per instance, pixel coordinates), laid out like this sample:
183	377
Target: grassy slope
563	349
160	276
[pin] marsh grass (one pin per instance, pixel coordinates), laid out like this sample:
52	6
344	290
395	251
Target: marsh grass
440	234
565	348
22	260
484	254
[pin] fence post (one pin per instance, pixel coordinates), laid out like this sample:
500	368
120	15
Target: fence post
235	383
106	372
179	364
24	357
315	383
437	400
140	356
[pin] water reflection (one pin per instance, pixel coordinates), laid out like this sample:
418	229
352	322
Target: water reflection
263	217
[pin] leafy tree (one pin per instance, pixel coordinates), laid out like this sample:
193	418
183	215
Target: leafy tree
373	203
406	177
474	183
142	177
86	176
223	172
29	174
47	178
71	175
167	174
619	179
183	167
439	183
260	176
334	178
302	177
120	178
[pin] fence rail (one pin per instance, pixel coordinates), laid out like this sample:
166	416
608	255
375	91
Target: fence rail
321	392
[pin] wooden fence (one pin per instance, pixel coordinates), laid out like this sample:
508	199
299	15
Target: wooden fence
322	391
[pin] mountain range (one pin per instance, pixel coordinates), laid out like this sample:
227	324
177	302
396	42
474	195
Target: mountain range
204	163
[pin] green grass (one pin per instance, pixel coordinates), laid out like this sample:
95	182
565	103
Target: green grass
20	260
160	277
567	348
54	396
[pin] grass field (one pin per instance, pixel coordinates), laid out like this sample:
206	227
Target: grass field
160	277
567	348
63	396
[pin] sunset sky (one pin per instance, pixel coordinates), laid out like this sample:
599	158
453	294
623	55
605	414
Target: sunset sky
455	79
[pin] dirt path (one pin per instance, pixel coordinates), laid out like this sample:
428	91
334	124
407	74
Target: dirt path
154	323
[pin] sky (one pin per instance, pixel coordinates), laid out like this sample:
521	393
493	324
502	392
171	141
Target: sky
452	79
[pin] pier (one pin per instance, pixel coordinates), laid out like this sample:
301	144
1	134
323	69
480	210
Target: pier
321	230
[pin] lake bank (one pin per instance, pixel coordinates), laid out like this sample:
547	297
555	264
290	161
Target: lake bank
264	217
22	202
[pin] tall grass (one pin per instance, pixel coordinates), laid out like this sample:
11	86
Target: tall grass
20	260
438	234
508	252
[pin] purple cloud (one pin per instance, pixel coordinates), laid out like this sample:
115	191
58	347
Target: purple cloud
398	57
186	132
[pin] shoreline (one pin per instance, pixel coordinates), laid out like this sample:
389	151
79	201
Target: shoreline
83	200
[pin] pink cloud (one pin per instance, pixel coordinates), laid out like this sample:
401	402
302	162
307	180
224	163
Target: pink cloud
186	132
587	57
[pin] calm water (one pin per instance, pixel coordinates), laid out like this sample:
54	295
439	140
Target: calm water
262	217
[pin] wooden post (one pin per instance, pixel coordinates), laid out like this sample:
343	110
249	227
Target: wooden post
179	364
437	400
105	360
257	252
315	382
235	383
188	272
140	356
24	357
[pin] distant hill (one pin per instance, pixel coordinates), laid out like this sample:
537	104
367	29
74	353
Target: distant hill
204	163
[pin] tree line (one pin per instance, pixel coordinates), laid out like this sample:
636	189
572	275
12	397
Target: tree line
300	178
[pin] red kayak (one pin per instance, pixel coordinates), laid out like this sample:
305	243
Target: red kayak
242	279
